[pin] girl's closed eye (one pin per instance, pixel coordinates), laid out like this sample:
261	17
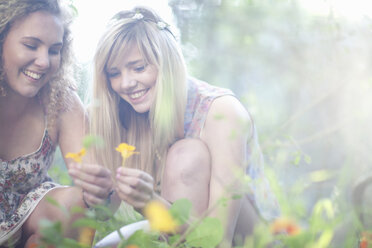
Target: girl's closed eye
112	74
30	46
140	68
55	50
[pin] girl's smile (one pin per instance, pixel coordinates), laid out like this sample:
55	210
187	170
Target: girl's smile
134	80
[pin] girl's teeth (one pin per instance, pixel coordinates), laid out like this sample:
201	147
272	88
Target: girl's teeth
137	95
32	74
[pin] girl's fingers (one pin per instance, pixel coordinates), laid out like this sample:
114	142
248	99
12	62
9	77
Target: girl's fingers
135	202
93	189
135	173
89	172
94	179
89	179
92	199
133	193
136	183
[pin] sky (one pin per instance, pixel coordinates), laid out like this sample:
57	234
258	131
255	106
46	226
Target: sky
354	10
93	15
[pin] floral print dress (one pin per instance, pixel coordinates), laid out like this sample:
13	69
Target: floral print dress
199	99
23	183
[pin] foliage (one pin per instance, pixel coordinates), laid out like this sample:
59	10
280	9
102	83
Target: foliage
207	233
292	230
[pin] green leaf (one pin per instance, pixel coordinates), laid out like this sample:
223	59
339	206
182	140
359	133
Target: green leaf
52	201
173	238
223	201
141	239
77	210
102	212
320	176
180	210
206	235
51	232
324	205
233	134
236	196
90	140
324	239
86	223
55	203
307	159
297	158
219	117
71	243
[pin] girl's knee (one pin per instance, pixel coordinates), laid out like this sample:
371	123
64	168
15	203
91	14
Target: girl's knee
188	158
65	198
190	149
68	197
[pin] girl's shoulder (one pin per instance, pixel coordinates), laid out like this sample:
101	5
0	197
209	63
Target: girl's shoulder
206	90
67	118
73	112
210	103
227	118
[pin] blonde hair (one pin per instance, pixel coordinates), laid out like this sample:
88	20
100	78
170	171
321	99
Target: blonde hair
113	119
56	95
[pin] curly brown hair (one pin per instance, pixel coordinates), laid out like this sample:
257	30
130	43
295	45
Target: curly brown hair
56	95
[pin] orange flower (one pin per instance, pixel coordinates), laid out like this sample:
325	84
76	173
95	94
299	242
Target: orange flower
33	245
131	246
159	217
284	225
126	151
365	240
363	243
77	157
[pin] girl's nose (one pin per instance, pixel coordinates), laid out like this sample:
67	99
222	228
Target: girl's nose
128	83
43	59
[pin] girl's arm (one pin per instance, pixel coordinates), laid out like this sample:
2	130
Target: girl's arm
94	180
227	129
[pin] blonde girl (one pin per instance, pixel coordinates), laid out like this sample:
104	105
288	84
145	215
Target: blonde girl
194	139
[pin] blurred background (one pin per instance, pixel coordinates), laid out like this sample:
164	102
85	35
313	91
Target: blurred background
303	69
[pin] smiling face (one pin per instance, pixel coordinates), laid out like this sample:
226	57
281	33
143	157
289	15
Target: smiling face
134	80
32	53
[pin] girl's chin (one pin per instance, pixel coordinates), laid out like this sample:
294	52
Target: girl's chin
141	108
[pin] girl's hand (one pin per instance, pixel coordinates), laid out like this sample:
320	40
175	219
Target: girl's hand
95	181
134	186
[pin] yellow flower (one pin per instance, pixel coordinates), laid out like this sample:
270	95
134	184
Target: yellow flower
77	157
159	217
86	236
126	151
286	226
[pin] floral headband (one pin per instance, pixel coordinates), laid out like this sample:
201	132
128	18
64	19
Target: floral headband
161	25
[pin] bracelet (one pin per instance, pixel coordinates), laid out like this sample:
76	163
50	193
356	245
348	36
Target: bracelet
108	199
85	201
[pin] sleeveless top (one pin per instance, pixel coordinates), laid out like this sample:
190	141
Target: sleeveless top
199	99
23	183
